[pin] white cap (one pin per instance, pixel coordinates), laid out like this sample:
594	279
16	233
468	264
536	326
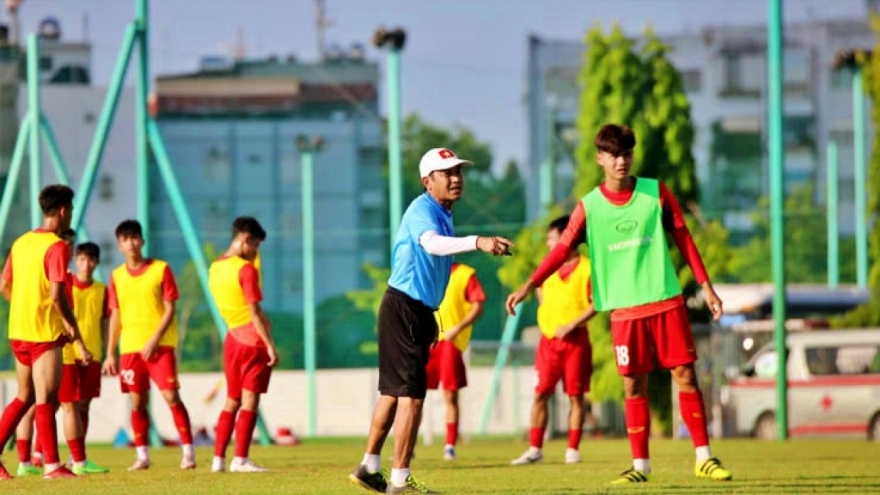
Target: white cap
439	159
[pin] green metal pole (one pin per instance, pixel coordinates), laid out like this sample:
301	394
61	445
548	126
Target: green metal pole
549	165
14	171
105	122
190	236
308	245
860	177
142	88
777	205
191	239
395	158
833	211
57	160
510	327
34	155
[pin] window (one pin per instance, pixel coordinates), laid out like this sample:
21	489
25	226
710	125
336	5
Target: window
692	80
216	217
796	70
290	167
105	187
765	365
841	79
217	164
844	360
743	74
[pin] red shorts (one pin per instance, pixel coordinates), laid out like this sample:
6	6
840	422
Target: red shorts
90	381
569	358
28	352
246	368
446	366
664	338
70	388
135	373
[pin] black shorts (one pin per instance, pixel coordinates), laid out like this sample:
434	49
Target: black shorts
407	329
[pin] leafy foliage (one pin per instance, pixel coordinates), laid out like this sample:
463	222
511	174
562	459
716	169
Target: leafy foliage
805	247
869	314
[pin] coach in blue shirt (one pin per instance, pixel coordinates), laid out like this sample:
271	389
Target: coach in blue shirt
421	261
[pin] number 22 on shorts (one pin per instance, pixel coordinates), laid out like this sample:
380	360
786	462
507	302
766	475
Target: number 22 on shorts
127	376
621	353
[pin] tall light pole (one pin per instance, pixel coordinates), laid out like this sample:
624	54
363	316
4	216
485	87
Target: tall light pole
777	205
394	41
852	60
308	147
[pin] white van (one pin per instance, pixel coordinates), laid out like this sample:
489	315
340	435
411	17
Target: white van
834	387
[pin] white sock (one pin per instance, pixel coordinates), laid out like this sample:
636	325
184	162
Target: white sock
399	476
219	460
239	460
79	464
37	455
642	465
449	446
143	453
188	450
25	464
534	450
703	453
48	468
372	463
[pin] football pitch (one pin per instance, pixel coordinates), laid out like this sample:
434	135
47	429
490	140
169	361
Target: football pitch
322	467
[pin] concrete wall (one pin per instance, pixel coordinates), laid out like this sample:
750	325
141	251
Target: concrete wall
345	402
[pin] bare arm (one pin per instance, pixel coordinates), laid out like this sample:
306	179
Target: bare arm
6	289
260	321
113	330
62	306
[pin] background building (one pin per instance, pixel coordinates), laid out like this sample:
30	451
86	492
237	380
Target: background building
72	105
230	129
724	74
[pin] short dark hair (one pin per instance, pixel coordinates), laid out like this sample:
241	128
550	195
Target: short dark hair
559	224
55	197
89	249
615	139
129	228
248	225
68	235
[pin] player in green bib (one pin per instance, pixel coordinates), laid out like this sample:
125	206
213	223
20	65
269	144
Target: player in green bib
625	222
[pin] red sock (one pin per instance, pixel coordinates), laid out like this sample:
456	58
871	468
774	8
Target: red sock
11	417
244	432
84	419
181	421
47	432
574	438
693	412
38	445
638	426
77	449
224	432
24	450
536	437
451	433
140	426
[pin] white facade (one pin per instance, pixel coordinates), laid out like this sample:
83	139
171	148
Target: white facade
72	111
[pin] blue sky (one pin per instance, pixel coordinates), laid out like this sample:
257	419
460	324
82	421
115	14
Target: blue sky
464	61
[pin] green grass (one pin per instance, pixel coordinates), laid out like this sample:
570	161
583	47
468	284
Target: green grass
322	467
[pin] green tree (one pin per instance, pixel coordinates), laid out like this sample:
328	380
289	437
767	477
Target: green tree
805	247
200	344
869	314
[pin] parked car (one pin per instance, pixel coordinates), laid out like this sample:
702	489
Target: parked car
833	387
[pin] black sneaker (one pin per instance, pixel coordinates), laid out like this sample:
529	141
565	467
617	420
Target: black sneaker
374	482
411	486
